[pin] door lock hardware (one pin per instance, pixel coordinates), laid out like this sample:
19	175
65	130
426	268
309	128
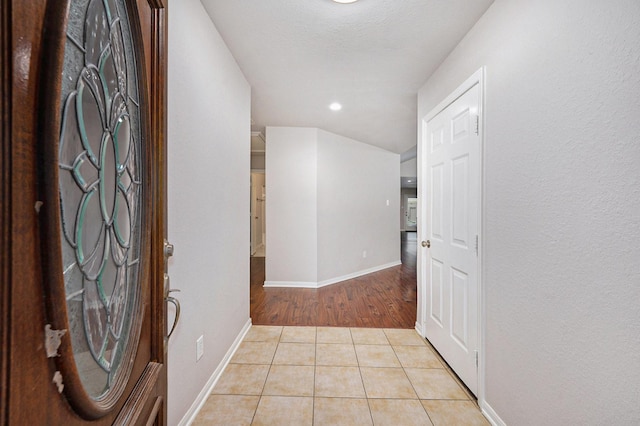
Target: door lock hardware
175	302
168	249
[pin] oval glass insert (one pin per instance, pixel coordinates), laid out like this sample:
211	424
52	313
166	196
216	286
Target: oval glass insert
100	190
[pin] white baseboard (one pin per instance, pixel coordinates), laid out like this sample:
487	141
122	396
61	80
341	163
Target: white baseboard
311	284
418	328
291	284
191	414
490	414
358	274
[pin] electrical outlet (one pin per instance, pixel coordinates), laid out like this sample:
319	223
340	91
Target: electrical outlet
199	348
364	254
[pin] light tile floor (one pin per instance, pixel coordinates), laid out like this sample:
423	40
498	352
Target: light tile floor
337	376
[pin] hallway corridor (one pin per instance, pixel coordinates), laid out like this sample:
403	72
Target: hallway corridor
337	376
345	354
384	299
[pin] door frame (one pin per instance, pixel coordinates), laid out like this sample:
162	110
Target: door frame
477	78
5	191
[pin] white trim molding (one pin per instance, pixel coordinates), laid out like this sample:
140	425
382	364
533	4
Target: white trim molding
312	284
197	405
490	414
418	328
258	135
358	273
291	284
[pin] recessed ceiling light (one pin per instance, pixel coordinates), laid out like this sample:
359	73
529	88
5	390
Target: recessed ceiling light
345	1
335	106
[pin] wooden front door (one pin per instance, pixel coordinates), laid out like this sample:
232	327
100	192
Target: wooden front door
83	212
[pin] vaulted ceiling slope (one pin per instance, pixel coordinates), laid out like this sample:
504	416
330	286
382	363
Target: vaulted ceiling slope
371	56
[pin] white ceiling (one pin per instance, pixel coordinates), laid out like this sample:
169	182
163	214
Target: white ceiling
371	56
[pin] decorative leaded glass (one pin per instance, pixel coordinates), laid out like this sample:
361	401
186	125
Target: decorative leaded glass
100	189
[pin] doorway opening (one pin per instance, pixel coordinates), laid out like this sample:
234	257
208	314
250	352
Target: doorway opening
258	240
409	209
258	228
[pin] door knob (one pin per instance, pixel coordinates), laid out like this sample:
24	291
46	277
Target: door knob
426	244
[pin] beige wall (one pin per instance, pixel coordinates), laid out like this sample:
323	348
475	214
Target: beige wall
209	115
327	205
561	206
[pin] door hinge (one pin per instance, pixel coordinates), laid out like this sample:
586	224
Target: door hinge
476	245
476	358
477	124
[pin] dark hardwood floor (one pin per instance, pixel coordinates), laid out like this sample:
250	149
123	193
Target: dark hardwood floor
385	299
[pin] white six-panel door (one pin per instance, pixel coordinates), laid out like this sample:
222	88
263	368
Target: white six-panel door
450	186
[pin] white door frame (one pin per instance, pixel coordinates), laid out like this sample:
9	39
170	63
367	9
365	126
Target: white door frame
477	78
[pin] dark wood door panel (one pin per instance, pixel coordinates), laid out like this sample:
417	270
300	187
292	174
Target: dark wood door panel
34	385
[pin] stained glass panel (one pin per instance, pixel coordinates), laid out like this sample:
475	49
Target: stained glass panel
100	189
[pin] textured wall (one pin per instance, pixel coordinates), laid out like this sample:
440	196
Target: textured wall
561	206
209	114
355	180
409	168
326	204
291	216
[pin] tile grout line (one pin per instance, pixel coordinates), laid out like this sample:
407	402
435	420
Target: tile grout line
412	385
267	376
315	371
314	396
362	378
452	373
